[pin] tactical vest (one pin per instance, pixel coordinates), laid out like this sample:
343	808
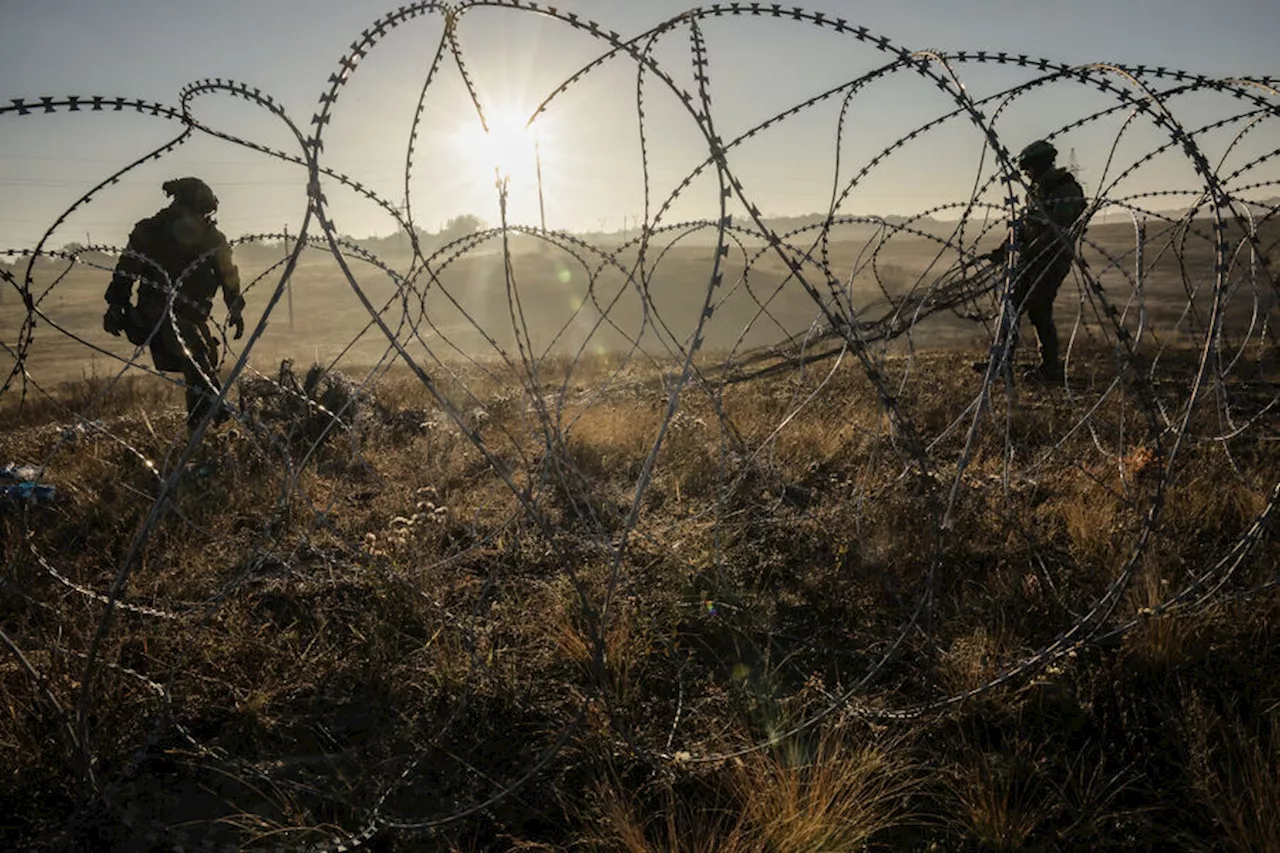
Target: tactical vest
1050	220
184	247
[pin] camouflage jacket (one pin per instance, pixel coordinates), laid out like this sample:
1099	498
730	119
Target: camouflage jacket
176	249
1050	218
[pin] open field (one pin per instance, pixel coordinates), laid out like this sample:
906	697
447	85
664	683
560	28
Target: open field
563	302
794	651
755	534
543	603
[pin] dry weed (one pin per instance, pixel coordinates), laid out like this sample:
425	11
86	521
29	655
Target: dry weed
834	796
1235	774
1001	798
974	659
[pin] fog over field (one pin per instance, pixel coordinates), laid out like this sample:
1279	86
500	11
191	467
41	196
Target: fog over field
562	302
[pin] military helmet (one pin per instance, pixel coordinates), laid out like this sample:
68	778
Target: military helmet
191	192
1038	150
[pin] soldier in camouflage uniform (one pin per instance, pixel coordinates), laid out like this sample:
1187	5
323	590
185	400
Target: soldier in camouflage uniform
180	260
1048	227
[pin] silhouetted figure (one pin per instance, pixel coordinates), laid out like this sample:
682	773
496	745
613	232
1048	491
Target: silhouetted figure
180	260
1047	227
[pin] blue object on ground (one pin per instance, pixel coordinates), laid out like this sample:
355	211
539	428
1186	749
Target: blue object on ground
32	492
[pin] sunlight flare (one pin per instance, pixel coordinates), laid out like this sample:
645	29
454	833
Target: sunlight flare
508	150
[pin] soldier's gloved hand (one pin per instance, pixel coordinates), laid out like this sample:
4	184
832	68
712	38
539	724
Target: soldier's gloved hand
113	322
236	321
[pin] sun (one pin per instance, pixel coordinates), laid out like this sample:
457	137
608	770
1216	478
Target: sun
507	152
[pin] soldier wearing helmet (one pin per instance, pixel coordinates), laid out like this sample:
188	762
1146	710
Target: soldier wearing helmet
1048	226
180	261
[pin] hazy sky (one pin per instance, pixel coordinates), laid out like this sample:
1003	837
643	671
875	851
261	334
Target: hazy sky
589	138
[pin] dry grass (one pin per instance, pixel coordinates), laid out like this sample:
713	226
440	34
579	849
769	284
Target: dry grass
1000	801
1235	773
834	796
91	397
346	606
974	659
838	797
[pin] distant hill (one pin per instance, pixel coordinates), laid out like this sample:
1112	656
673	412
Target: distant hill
397	245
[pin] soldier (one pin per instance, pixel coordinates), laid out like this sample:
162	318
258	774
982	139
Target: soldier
180	259
1048	226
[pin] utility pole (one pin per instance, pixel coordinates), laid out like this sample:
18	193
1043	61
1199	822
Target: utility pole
402	209
537	156
288	285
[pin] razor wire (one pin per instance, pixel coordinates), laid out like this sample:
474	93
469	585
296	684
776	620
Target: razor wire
1122	377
